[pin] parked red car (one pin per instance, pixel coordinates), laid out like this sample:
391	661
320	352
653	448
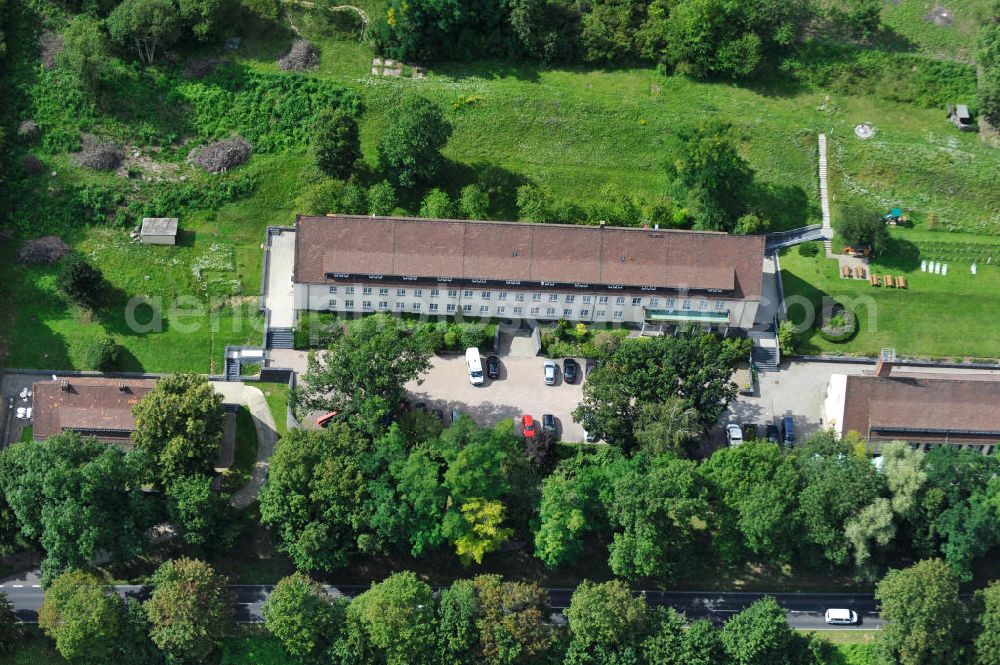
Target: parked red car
527	426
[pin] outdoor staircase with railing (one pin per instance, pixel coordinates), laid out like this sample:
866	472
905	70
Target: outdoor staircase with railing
232	369
280	338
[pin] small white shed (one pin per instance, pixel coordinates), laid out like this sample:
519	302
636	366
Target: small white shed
159	231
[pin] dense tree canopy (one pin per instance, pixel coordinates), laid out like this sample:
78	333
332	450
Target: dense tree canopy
85	51
190	610
205	515
76	497
922	613
81	282
84	617
364	373
988	640
760	635
301	614
396	617
710	177
146	26
694	366
860	226
605	620
755	489
410	148
179	425
11	630
313	494
336	143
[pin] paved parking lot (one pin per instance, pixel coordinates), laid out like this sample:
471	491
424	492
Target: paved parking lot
520	389
799	390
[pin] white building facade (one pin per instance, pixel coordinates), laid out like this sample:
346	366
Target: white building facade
616	275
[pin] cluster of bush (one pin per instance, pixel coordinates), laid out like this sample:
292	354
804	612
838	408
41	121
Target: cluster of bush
319	331
988	59
697	36
565	340
839	324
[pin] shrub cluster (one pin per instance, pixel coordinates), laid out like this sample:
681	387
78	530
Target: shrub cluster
839	324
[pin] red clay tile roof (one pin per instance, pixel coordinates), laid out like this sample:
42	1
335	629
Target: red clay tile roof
568	254
942	406
91	404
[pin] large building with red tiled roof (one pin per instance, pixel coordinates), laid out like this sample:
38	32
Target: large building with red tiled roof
92	406
922	408
516	270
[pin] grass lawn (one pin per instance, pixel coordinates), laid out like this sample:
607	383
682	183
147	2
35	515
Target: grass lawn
276	395
951	316
908	19
245	454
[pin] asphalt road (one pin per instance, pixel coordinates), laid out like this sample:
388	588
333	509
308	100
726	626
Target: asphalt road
805	610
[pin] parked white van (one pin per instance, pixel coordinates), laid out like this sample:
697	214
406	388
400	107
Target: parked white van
841	617
475	366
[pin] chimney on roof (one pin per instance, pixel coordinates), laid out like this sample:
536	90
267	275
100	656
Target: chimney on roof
64	385
122	387
886	359
601	223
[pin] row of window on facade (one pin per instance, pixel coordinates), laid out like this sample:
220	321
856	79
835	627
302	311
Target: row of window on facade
452	308
521	297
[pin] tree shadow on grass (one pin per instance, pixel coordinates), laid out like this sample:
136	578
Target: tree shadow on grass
527	71
786	206
901	254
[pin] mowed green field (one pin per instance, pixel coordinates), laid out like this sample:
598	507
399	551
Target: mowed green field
940	316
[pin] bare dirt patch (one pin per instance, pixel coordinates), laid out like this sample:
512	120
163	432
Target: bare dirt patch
47	249
940	16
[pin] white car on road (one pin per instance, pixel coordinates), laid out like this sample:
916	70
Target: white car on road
841	617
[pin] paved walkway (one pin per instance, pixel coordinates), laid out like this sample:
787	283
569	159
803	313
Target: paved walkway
252	398
824	197
280	296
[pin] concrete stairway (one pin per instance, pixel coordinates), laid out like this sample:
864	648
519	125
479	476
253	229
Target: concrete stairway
280	338
824	196
764	353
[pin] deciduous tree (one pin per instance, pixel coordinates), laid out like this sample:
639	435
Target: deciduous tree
205	515
652	509
190	610
922	613
146	26
760	635
84	617
755	493
437	205
364	373
667	427
179	425
313	496
513	621
988	640
85	50
673	642
474	203
76	497
303	616
336	143
606	622
203	17
694	366
410	149
396	615
710	175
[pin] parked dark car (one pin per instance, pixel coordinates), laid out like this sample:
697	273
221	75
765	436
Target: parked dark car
772	433
493	367
570	370
788	430
549	423
751	431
